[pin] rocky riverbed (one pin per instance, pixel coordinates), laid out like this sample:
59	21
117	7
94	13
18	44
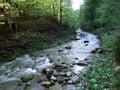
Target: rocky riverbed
57	68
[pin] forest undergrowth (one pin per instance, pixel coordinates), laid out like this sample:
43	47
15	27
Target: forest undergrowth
101	74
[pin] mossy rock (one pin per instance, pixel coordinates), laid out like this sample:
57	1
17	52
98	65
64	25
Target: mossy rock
54	88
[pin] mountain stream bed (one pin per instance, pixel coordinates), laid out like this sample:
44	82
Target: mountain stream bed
56	68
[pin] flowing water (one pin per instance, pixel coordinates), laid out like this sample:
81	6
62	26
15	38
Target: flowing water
57	68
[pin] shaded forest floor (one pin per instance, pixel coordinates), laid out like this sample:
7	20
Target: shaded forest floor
31	35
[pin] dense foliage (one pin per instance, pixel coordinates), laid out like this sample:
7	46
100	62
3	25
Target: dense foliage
59	11
32	24
100	15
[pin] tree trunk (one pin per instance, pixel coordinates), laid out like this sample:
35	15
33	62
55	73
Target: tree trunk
60	12
54	14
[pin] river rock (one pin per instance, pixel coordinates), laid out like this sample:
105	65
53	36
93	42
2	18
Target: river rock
46	84
68	74
38	87
100	51
86	41
93	51
97	50
69	87
81	63
73	79
55	73
56	65
59	79
71	65
53	78
48	71
86	44
77	69
77	37
26	78
60	67
41	78
54	88
68	47
61	73
60	50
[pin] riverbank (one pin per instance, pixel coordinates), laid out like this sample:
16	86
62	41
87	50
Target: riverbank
101	68
26	41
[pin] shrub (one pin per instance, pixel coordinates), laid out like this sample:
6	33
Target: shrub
116	49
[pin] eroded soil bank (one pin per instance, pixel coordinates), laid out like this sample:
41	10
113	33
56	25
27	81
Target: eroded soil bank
57	68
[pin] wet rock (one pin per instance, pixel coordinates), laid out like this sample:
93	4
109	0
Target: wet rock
41	78
60	66
78	31
46	84
48	71
86	44
93	51
86	41
65	79
77	37
82	63
69	87
53	78
100	51
60	50
73	79
26	79
61	73
76	58
97	50
68	47
55	73
77	69
71	65
60	79
38	87
68	74
54	88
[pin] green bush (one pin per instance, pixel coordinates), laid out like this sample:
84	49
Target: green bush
116	48
116	82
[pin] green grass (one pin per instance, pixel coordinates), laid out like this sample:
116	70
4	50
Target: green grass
100	73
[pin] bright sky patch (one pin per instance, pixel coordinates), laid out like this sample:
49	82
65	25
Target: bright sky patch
76	4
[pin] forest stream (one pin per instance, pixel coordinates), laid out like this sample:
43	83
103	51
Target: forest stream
56	68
